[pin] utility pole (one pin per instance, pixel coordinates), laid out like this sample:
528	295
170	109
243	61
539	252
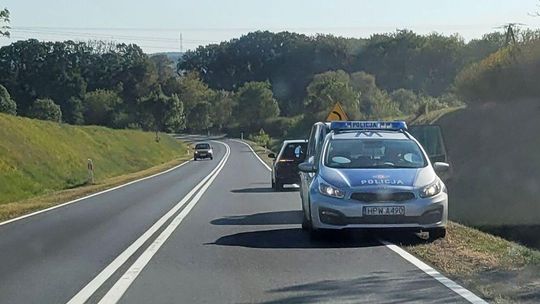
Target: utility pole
181	44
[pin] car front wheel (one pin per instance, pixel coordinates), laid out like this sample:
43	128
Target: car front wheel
437	233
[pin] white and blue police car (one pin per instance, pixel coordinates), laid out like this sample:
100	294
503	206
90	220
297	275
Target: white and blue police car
373	174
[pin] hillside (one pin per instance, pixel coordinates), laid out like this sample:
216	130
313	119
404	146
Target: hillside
494	151
39	157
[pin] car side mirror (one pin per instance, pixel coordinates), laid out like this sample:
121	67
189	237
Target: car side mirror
271	155
441	167
307	167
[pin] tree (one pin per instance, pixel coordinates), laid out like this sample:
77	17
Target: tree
222	106
254	104
161	112
328	88
73	111
200	117
100	107
46	109
4	22
407	100
7	105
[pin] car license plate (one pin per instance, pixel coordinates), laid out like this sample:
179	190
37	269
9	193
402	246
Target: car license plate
384	210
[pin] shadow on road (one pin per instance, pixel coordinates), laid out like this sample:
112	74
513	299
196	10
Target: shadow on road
374	287
291	217
264	190
295	238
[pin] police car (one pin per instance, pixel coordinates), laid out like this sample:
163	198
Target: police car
373	174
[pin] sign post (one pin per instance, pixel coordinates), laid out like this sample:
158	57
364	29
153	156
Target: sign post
337	113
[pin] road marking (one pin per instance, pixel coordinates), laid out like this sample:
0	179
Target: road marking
91	195
455	287
121	286
260	159
86	292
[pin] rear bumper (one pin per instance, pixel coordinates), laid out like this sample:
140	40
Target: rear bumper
332	213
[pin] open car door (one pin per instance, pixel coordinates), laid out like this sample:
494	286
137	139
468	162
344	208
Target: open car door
431	138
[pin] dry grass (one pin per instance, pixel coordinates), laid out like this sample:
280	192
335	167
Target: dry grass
15	209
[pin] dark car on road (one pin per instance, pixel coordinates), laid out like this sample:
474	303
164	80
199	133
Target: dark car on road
203	150
285	166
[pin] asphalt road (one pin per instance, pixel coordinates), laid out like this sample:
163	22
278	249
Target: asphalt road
234	241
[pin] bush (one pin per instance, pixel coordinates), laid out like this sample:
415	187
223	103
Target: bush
45	109
7	105
261	139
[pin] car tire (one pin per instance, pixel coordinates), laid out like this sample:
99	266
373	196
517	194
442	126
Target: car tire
279	186
195	158
437	233
306	223
211	157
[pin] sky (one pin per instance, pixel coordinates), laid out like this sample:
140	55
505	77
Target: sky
157	25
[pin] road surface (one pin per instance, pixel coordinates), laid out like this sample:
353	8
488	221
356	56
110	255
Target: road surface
231	239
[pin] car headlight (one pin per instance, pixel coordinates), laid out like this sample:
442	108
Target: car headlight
432	189
328	190
210	151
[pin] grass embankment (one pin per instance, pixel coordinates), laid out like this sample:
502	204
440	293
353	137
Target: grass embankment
44	163
496	269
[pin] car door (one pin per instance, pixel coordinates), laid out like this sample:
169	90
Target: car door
432	139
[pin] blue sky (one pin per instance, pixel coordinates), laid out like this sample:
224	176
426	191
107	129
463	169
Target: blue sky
156	25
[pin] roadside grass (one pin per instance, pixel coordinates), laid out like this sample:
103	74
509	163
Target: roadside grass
45	163
39	157
496	269
26	206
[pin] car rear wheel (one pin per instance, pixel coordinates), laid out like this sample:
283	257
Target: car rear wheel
437	233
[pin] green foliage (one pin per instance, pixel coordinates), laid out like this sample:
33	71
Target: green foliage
100	107
4	23
200	117
73	112
7	105
328	88
254	104
261	138
46	109
162	112
406	99
37	156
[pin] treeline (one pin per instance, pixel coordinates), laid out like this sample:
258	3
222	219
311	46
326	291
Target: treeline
279	82
425	64
507	75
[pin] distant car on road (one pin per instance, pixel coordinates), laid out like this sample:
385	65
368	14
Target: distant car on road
371	174
285	166
203	150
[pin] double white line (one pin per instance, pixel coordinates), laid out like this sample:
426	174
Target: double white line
121	286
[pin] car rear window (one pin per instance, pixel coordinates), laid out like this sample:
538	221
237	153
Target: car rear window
202	146
294	151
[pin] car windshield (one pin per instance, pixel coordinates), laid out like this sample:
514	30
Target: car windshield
202	146
385	153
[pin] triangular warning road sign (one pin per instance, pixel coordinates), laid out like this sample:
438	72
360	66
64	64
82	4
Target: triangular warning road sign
337	113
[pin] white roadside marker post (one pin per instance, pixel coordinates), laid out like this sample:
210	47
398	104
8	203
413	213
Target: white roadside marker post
90	166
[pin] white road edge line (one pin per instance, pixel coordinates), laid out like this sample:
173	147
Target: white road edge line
256	155
91	195
455	287
121	286
86	292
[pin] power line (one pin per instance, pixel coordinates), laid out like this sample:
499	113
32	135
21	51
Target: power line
112	35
